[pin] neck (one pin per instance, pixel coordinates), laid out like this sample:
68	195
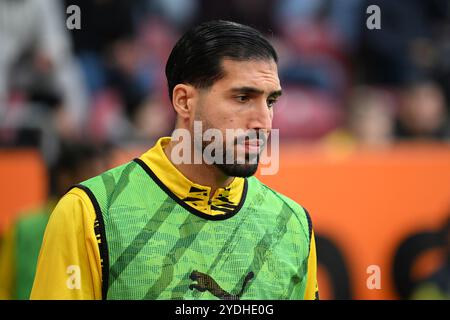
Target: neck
203	174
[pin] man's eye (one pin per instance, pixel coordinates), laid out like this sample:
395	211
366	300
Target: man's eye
271	102
242	98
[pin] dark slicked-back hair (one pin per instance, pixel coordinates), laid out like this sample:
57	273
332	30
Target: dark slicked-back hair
196	58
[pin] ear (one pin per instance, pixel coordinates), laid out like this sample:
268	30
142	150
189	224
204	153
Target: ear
183	100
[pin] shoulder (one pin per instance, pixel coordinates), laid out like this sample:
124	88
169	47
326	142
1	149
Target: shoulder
74	211
111	179
111	183
300	212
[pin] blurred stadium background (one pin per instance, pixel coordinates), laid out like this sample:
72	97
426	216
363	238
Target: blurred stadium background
364	118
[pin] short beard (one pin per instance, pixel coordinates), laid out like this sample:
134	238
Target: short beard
244	170
238	170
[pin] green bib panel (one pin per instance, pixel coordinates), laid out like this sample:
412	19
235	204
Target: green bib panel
160	248
30	231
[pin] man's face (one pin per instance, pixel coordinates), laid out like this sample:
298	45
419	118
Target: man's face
243	99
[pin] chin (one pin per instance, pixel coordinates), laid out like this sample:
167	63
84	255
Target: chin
238	170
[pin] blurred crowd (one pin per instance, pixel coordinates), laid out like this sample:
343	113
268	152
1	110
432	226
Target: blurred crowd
344	83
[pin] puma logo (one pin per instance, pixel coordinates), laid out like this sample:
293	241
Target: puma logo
207	283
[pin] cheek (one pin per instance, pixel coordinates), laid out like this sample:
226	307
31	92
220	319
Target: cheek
220	114
234	122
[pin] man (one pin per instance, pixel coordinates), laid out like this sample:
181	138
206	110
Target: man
160	228
21	243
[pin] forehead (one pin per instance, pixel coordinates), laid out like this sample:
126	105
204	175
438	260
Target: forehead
262	74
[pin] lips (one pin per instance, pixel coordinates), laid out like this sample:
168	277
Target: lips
253	146
254	143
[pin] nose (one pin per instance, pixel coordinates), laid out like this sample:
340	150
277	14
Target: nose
261	117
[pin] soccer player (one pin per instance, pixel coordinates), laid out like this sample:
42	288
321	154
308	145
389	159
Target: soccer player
160	228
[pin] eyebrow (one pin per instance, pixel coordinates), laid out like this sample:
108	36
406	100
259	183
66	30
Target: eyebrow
252	90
